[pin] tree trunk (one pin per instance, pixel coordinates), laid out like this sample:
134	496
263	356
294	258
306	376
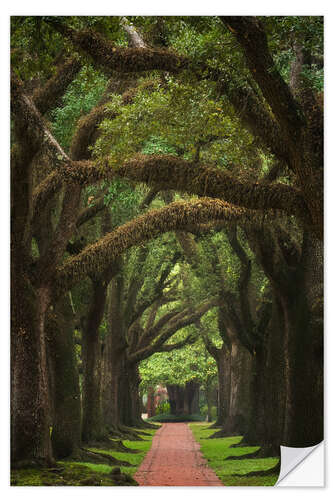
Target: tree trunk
240	378
92	425
303	349
265	424
191	398
30	405
223	367
176	397
150	402
116	355
66	421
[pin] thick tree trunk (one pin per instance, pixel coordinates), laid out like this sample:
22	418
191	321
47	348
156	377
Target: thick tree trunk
66	420
191	398
236	419
30	406
303	348
92	425
135	396
265	425
176	398
150	402
115	356
223	367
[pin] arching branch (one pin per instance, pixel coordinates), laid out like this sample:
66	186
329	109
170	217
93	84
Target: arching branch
29	122
169	172
109	58
251	35
175	216
256	117
89	212
190	339
169	328
47	97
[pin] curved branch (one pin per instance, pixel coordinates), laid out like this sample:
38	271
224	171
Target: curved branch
175	216
256	118
190	339
47	97
251	35
170	172
88	212
109	58
179	321
29	122
211	348
243	280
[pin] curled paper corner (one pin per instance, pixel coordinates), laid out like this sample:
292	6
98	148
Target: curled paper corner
302	466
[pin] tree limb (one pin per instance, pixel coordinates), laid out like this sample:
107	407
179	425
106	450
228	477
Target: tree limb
46	98
251	35
109	58
175	216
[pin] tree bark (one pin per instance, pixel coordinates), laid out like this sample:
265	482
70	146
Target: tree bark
66	420
30	405
92	427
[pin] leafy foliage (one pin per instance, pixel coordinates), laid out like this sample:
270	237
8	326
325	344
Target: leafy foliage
82	95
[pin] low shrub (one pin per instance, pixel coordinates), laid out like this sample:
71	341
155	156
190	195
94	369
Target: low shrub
163	408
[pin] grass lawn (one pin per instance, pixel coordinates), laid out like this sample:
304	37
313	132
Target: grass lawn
134	459
217	450
86	473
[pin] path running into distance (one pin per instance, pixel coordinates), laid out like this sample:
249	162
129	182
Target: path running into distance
175	460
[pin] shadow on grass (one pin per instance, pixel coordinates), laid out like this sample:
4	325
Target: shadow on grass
238	471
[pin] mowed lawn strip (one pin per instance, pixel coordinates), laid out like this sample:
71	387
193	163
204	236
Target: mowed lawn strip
217	450
134	459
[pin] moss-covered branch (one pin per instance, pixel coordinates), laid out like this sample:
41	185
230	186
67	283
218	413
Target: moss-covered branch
109	58
251	35
175	216
29	122
47	97
170	172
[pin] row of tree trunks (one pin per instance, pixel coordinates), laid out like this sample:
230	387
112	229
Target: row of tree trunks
184	400
285	392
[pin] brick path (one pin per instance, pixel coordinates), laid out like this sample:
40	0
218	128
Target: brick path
175	460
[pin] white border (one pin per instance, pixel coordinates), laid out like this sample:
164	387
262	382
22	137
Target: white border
171	7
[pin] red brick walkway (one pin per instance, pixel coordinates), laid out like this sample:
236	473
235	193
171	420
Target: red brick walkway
175	460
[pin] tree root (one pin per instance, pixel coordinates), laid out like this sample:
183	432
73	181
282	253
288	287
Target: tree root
85	455
147	425
215	425
110	444
254	454
33	463
129	434
223	434
266	451
122	479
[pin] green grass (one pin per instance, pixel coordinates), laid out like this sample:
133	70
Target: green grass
217	450
85	473
167	417
134	459
69	474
